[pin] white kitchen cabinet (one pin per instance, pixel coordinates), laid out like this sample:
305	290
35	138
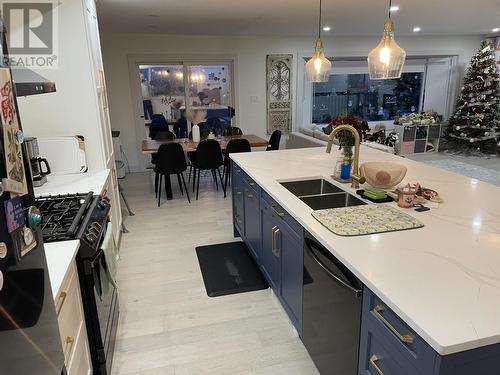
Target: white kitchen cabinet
80	105
72	327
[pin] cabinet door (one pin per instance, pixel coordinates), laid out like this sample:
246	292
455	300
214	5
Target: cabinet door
252	221
292	266
270	260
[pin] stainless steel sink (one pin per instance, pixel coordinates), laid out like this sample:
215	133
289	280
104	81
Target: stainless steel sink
320	194
319	202
311	187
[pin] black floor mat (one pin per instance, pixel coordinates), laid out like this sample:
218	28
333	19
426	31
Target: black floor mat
228	268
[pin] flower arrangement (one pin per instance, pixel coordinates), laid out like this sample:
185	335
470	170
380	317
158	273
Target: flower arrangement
346	138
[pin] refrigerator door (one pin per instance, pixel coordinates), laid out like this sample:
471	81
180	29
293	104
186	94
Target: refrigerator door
29	332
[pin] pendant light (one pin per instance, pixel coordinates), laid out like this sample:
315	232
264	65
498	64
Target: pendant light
318	67
386	61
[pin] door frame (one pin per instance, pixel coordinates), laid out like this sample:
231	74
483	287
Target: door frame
135	60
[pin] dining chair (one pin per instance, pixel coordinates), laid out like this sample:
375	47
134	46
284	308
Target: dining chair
232	130
160	135
233	146
274	141
171	160
208	157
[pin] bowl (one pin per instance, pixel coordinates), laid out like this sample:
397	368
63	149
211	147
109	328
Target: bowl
383	174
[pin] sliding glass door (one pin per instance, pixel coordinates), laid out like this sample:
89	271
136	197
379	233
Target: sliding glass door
172	89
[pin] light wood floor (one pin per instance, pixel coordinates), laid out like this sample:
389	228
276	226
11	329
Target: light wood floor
168	325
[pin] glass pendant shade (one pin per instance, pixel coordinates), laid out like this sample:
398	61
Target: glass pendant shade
386	61
318	67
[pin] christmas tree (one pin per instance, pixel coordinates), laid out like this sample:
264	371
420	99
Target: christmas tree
475	125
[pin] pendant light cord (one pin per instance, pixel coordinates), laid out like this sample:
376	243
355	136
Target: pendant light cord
319	21
390	6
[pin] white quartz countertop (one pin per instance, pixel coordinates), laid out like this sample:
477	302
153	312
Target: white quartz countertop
59	257
443	280
74	183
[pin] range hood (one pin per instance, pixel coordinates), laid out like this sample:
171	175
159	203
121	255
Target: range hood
30	83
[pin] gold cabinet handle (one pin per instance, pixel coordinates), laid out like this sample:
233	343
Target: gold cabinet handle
60	302
238	192
68	347
407	339
276	250
250	195
251	183
373	361
273	240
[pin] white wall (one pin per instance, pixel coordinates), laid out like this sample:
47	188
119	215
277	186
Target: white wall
250	59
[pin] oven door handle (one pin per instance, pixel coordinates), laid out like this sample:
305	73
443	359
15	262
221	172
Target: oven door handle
94	266
311	250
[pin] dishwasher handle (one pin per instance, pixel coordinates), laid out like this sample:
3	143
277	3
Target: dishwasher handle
311	246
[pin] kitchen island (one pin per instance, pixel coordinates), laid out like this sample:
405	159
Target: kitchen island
441	281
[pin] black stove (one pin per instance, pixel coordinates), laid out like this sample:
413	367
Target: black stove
85	217
62	215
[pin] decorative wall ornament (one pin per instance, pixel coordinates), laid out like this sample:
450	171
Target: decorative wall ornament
279	93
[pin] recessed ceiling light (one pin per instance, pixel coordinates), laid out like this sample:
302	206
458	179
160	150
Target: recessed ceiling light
495	30
394	8
416	29
327	28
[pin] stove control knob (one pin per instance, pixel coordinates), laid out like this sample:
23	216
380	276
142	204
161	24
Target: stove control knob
91	237
103	204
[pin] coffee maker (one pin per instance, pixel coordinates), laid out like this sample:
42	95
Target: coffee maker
38	173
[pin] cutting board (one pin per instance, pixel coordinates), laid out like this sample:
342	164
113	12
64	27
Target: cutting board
66	155
368	219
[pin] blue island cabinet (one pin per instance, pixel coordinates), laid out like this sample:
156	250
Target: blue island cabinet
389	346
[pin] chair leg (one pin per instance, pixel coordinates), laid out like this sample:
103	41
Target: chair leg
156	185
159	189
222	184
190	170
185	187
215	178
194	179
226	177
180	184
198	185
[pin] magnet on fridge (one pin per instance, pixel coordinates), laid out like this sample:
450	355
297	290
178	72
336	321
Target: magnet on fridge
3	250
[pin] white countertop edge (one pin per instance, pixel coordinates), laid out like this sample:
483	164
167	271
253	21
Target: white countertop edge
59	256
74	183
439	348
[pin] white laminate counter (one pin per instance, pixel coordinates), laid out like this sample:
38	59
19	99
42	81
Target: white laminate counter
444	279
59	257
74	183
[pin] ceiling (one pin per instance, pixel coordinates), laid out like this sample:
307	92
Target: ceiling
296	17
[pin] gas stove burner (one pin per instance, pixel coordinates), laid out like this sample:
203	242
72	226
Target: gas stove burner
62	215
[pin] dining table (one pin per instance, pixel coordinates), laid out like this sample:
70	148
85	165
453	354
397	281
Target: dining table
150	146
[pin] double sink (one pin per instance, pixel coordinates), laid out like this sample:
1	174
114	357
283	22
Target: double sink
320	194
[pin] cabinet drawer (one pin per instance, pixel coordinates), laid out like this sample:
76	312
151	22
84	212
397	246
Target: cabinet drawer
378	360
69	312
280	212
79	363
393	331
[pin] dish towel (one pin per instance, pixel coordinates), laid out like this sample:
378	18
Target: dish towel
110	256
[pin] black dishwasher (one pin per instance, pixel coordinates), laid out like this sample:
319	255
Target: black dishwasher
332	311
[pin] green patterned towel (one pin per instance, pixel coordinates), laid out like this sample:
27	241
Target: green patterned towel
369	219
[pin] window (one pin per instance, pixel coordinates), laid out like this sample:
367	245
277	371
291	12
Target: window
166	91
357	95
426	84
